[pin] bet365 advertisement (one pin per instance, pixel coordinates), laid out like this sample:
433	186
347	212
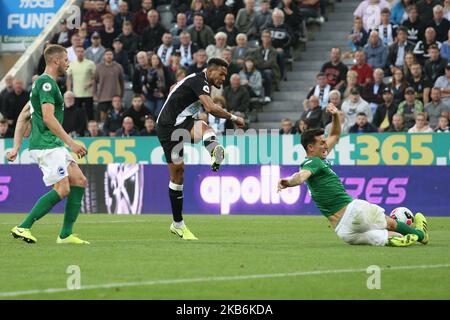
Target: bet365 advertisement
250	189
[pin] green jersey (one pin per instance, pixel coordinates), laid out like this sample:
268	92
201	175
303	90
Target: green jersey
45	90
325	186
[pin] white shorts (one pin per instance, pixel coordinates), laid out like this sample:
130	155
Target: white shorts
53	163
363	223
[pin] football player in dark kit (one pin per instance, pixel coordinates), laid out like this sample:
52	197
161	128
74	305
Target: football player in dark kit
175	125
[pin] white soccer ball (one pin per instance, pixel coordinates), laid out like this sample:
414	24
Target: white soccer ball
404	215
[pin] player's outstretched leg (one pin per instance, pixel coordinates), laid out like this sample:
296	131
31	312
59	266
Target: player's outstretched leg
77	184
422	225
404	229
176	200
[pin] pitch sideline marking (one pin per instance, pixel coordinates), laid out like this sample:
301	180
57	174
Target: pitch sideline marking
208	279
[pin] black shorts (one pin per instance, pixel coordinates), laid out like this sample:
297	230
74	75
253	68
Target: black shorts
165	138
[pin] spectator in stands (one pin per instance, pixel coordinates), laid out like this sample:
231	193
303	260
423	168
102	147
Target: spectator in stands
197	7
149	127
398	85
93	17
410	59
220	125
419	83
187	49
373	91
435	66
387	31
301	126
229	29
292	17
353	105
114	117
362	68
445	48
80	80
127	129
215	50
175	62
265	59
439	23
262	18
240	51
215	14
321	90
410	107
200	33
121	57
140	74
384	113
414	27
420	125
180	74
179	6
140	19
152	34
74	121
199	62
124	15
137	112
9	80
245	17
85	40
282	38
309	9
287	126
232	66
237	97
166	48
14	102
398	50
93	130
344	124
178	28
96	51
71	56
447	9
335	99
334	70
312	114
435	107
131	41
370	12
362	125
442	125
251	79
108	82
63	36
352	82
399	13
5	130
397	124
108	33
422	46
425	9
157	85
358	36
375	51
443	83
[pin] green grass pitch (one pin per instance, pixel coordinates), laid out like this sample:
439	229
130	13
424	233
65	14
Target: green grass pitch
237	257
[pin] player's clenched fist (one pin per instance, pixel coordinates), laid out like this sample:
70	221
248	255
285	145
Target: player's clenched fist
282	184
240	122
11	155
331	108
79	150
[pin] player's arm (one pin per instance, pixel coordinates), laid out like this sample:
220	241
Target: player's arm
56	128
295	180
22	125
335	131
218	111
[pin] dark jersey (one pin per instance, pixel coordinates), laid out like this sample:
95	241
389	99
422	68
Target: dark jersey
182	101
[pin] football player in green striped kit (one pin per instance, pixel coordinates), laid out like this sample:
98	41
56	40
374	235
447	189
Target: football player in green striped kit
45	111
354	221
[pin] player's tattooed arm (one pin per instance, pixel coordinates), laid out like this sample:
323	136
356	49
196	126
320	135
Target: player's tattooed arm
218	111
22	127
335	131
295	180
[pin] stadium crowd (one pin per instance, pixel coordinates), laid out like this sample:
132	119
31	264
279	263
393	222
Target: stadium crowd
399	80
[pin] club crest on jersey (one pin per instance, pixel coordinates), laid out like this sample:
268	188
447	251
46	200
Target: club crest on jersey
206	89
47	87
61	171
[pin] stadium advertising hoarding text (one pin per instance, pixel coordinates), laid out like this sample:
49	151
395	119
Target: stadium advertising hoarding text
363	149
135	189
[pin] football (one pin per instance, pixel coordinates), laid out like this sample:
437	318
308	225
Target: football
403	214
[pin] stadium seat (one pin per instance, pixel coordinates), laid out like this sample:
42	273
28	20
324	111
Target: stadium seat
166	16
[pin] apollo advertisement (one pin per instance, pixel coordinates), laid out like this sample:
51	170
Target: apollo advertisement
251	189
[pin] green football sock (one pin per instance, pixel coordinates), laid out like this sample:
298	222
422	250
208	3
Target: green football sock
403	228
71	210
41	208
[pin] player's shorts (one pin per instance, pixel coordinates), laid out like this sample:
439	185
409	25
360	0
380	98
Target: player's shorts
173	148
363	223
53	163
